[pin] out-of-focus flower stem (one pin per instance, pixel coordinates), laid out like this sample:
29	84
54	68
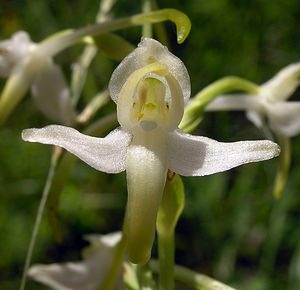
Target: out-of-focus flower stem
191	278
54	160
52	46
194	110
284	165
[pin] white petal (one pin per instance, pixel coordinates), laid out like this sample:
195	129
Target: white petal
149	50
68	276
284	118
13	51
99	241
52	95
283	84
196	156
146	175
87	274
256	118
104	154
234	103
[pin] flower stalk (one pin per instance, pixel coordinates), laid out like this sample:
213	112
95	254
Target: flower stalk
193	279
194	110
52	46
168	215
283	167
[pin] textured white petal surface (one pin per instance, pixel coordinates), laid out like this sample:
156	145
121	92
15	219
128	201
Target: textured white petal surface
87	274
284	118
196	156
104	154
52	95
149	50
283	84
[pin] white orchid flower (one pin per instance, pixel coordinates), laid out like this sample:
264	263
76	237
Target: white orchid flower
27	66
283	116
87	274
150	88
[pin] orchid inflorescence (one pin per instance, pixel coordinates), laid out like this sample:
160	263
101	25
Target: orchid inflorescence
151	89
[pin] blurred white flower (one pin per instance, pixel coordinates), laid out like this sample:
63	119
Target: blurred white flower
283	116
150	88
23	62
87	274
13	51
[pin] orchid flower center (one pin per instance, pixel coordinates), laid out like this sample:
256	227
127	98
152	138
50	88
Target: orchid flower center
151	97
149	106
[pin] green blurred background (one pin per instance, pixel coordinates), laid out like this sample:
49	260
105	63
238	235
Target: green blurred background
231	228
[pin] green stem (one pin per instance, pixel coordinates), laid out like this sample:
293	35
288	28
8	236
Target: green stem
147	27
80	70
193	111
191	278
284	165
171	207
93	106
54	45
166	250
160	29
55	156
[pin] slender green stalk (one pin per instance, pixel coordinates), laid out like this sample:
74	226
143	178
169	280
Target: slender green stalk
54	45
160	29
166	249
55	156
80	70
194	110
169	212
191	278
147	27
284	165
95	104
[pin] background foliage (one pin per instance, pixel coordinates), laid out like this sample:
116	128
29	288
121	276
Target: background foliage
231	228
